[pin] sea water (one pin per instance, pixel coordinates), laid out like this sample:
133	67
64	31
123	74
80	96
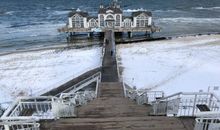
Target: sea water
33	23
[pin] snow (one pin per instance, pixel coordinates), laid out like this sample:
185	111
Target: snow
36	72
187	64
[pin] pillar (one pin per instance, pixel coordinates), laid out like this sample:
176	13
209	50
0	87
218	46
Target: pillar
130	34
90	34
148	34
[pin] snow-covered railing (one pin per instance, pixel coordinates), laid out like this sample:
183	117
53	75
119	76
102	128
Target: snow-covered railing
78	98
185	104
38	107
142	96
65	105
207	121
76	87
18	124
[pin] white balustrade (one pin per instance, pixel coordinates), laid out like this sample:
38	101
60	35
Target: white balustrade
142	96
184	104
19	124
207	121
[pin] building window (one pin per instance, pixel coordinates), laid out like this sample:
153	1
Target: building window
142	21
77	21
118	20
102	21
127	23
110	17
92	23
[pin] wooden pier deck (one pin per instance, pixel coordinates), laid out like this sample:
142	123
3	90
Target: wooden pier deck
111	110
87	30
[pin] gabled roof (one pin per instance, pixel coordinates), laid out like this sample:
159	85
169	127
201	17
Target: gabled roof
91	17
83	14
114	9
135	14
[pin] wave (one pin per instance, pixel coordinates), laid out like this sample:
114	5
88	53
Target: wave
31	32
190	20
60	12
6	13
133	10
162	11
156	11
206	8
16	25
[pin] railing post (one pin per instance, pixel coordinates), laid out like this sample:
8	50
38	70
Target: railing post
210	100
194	105
97	85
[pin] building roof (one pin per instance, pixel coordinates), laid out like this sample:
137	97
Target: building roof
91	17
114	9
84	14
127	17
135	14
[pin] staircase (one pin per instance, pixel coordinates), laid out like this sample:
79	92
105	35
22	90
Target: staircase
111	103
111	110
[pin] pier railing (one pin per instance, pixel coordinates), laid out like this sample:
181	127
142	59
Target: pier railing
95	77
27	124
185	104
142	96
207	121
39	107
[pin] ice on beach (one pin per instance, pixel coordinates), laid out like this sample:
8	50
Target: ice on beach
187	64
36	72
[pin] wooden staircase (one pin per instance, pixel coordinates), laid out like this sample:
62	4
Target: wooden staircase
111	110
111	103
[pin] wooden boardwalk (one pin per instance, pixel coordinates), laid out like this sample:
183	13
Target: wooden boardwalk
111	110
109	65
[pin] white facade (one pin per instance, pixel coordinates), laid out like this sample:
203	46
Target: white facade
110	17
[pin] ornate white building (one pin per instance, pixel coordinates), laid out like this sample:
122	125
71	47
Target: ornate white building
110	17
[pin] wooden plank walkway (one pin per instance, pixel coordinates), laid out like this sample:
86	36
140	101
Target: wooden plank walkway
111	110
109	65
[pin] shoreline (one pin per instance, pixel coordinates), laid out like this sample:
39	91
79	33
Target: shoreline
49	48
132	40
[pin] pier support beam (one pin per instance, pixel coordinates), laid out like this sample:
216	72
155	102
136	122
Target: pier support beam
130	34
101	34
148	34
90	34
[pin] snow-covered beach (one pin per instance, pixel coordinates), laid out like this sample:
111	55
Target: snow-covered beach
182	64
187	64
36	72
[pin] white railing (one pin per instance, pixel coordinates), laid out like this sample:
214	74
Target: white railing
184	104
38	107
207	121
78	98
95	77
142	96
27	124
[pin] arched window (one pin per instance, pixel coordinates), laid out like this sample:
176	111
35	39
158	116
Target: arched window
118	20
127	23
102	22
142	21
77	21
110	17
